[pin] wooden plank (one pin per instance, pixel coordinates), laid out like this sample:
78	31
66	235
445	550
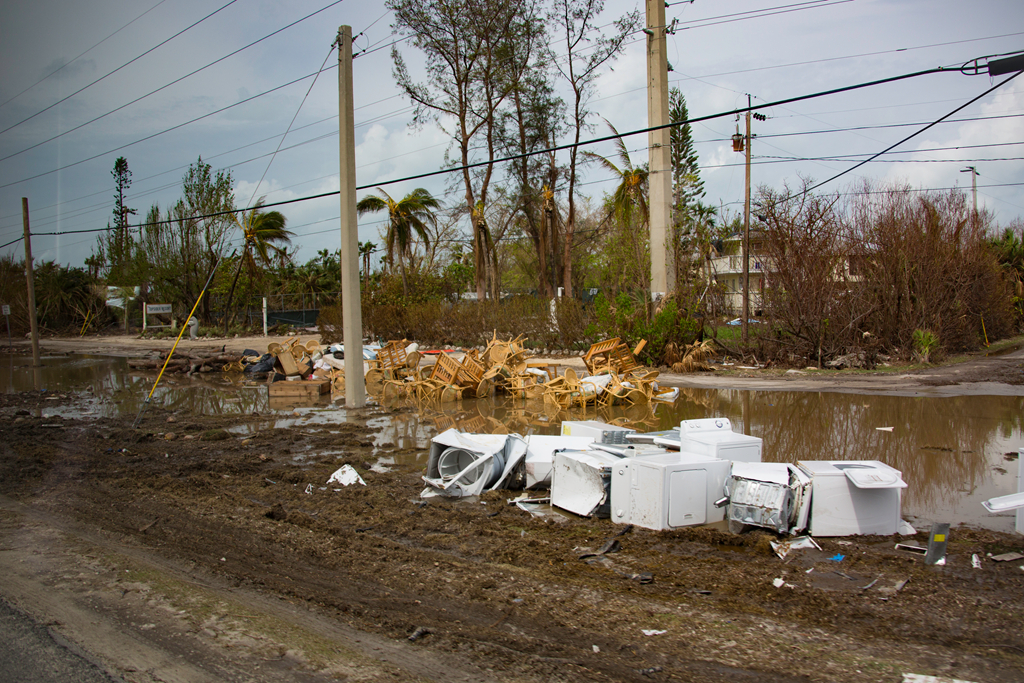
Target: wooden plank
300	388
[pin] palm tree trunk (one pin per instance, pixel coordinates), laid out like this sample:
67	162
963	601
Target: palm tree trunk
228	317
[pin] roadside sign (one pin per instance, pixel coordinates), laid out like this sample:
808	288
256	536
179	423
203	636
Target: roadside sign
6	309
154	309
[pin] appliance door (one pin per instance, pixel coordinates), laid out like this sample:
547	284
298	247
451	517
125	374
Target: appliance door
687	500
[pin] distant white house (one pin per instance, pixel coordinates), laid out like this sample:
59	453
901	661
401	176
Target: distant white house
726	270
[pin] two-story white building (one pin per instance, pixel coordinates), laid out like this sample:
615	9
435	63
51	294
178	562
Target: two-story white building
726	270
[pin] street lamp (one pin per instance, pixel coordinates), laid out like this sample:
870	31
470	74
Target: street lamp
974	187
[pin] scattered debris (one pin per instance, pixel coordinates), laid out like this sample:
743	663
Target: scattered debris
975	561
652	631
1006	557
418	633
921	678
911	548
346	475
782	548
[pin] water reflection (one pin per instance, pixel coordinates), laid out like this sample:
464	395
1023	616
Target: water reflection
951	450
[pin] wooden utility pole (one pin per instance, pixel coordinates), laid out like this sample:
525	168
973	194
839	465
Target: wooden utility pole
746	235
663	271
351	298
30	283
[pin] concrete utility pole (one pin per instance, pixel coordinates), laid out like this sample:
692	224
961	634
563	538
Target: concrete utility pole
663	271
746	235
30	282
351	299
974	190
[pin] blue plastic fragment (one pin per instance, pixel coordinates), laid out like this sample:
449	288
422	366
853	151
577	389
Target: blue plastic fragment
837	558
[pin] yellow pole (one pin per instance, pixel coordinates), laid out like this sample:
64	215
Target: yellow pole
169	355
983	330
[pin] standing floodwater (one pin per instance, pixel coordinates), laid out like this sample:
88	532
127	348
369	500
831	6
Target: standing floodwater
954	452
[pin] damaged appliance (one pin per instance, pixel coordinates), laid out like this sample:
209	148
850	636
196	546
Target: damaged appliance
714	437
469	464
854	497
1013	501
600	432
667	490
581	482
775	496
540	455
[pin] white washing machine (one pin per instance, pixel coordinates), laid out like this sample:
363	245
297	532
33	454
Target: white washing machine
854	497
668	491
715	438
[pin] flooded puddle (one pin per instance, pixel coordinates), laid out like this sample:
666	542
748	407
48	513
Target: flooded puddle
954	452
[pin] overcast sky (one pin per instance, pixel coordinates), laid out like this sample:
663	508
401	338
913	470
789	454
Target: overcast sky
721	52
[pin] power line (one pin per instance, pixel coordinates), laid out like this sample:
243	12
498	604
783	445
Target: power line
758	14
213	156
912	135
606	138
72	61
131	61
166	130
166	85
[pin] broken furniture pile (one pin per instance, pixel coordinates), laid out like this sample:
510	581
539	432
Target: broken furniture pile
615	377
701	473
194	361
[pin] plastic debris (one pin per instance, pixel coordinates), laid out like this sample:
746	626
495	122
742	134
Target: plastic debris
346	475
921	678
782	548
652	631
837	558
976	561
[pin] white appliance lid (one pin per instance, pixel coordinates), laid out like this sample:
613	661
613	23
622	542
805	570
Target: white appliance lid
774	472
870	477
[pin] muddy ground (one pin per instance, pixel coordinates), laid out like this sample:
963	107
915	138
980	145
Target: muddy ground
183	551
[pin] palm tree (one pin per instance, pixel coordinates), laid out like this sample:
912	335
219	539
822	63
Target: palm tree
630	195
405	217
262	232
366	250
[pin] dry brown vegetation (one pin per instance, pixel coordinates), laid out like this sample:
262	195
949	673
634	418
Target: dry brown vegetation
861	274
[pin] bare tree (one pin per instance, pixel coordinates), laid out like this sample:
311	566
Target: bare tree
587	50
476	54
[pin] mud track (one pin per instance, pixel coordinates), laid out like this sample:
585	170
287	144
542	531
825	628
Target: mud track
253	561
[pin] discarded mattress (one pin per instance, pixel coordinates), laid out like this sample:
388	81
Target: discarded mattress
469	464
581	482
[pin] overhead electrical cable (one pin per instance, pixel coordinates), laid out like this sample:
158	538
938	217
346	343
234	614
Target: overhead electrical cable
166	130
912	135
291	123
167	85
110	73
704	23
606	138
75	59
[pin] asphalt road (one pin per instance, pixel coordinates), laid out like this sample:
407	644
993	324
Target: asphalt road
30	654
